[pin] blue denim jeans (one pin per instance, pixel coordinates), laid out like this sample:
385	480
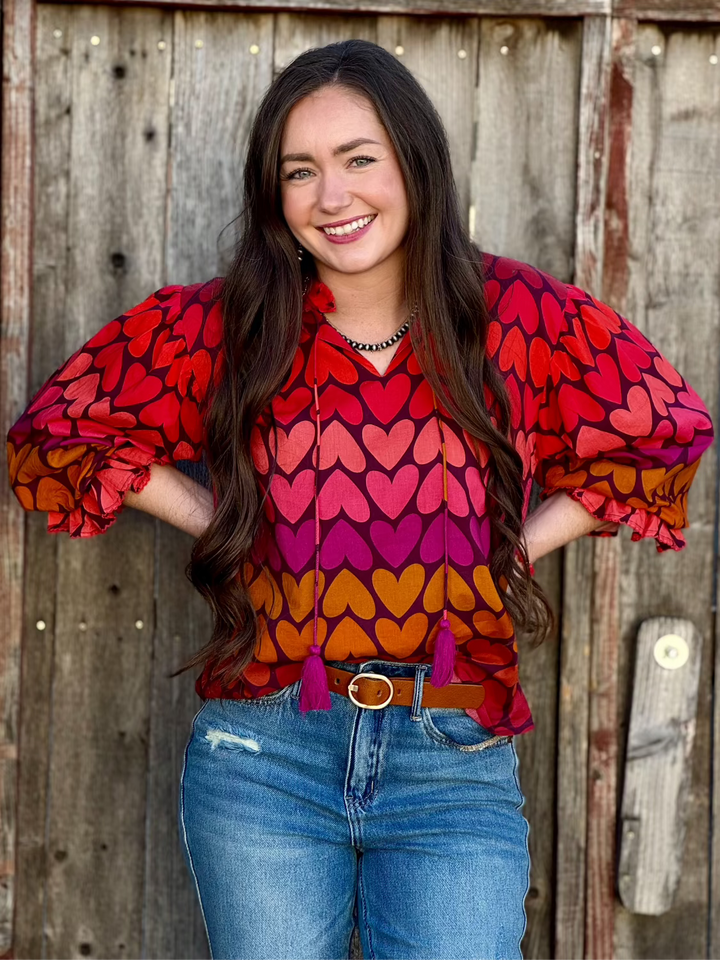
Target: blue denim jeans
404	821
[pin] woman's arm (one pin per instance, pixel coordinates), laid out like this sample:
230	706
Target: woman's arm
174	498
557	521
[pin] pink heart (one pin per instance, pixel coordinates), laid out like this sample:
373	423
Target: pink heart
297	548
336	441
344	542
292	446
388	448
291	500
636	420
395	545
83	392
476	490
393	495
430	494
339	492
433	546
688	421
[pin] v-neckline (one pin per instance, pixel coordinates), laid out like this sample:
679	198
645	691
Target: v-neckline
328	333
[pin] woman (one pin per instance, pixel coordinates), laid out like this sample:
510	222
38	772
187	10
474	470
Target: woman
374	396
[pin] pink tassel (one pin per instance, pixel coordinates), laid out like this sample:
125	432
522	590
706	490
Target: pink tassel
314	693
444	656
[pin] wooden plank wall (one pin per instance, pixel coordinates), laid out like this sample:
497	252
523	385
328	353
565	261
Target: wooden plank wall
577	148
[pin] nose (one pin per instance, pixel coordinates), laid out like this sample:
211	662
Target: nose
332	194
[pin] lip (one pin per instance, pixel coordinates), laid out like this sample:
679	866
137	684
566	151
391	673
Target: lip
341	223
348	237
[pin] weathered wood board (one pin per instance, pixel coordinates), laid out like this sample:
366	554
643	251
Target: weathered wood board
657	763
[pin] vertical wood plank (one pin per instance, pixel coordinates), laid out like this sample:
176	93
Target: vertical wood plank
442	55
52	156
575	676
673	279
523	176
604	678
15	304
114	237
211	114
523	196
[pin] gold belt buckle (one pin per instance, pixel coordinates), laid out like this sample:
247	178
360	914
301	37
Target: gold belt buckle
371	706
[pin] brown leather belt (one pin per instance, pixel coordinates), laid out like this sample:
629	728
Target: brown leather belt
374	690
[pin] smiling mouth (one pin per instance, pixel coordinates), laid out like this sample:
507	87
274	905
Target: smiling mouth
347	228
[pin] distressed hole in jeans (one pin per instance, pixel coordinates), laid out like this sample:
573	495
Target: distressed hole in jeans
221	738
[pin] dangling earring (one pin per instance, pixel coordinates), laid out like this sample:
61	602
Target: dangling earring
300	252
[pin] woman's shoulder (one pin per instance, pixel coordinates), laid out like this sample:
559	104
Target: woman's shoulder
505	273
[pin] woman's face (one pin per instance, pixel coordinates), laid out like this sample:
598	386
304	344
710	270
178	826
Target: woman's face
337	165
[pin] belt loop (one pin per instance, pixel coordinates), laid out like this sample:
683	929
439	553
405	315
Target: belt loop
420	671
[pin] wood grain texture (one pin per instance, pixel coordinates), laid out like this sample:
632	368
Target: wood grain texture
575	675
504	8
15	304
572	757
52	158
523	175
537	752
102	255
697	11
673	282
657	766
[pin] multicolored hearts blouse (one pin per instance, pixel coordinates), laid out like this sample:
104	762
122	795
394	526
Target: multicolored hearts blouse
597	412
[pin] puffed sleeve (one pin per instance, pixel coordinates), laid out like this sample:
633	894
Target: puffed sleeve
132	396
618	428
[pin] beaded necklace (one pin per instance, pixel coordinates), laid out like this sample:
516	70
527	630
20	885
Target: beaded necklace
380	345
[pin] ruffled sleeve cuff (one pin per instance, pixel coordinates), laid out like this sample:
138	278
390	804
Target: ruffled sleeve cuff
641	521
102	491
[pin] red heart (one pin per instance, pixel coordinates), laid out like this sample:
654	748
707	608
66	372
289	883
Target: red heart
138	387
631	357
636	420
660	393
212	328
605	382
553	316
578	345
100	411
591	441
111	357
330	360
189	324
287	408
514	352
334	399
493	338
75	367
338	442
388	448
519	303
293	446
576	403
165	413
561	363
385	401
141	323
106	335
666	370
539	361
421	403
596	326
83	392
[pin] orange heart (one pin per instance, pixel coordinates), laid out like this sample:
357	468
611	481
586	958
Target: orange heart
488	625
486	587
402	641
265	592
461	631
301	596
399	595
349	639
624	476
297	644
346	590
459	593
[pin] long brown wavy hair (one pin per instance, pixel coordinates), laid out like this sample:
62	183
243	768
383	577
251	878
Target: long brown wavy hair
262	310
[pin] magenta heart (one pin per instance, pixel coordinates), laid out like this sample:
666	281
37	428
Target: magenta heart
481	534
296	548
343	541
395	545
433	546
392	495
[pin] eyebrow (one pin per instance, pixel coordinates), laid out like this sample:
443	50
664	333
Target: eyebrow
343	148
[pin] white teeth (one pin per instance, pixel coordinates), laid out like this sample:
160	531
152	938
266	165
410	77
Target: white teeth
349	227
